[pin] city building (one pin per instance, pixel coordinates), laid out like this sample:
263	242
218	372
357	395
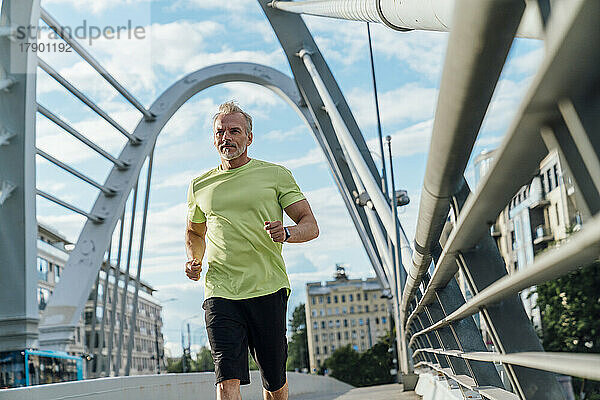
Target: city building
541	214
147	354
344	311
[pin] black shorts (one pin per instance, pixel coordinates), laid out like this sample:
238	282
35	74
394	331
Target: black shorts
258	324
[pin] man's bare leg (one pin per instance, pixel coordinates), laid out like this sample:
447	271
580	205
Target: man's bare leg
229	390
281	394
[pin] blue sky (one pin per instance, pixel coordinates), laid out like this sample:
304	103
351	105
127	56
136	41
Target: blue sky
185	35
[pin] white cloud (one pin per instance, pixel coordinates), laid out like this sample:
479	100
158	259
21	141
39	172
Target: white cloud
412	140
96	7
408	103
313	157
238	5
180	179
279	135
526	63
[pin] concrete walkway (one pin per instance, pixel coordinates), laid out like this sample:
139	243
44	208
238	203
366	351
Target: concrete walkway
383	392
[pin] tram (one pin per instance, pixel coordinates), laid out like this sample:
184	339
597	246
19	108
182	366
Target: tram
38	367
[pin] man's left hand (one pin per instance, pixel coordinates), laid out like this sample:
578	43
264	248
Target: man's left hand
275	230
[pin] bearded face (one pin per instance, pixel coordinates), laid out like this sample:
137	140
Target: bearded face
230	137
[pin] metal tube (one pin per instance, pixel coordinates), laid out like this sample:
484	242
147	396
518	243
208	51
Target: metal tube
139	268
108	192
53	199
126	283
399	272
522	145
52	23
100	362
92	343
574	364
379	133
581	249
52	117
373	189
477	50
93	106
115	297
402	15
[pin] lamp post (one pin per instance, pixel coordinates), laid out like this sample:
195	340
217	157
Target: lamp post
183	355
156	332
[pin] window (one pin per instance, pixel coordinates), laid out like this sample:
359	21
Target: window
339	336
42	296
344	310
346	335
375	308
315	325
355	347
321	312
337	311
377	320
324	337
353	322
351	309
362	333
332	348
344	298
335	299
314	313
314	300
345	323
331	336
317	340
337	323
328	299
324	349
322	324
361	322
357	297
383	320
359	309
318	352
330	323
329	312
366	308
555	171
56	274
43	267
353	334
550	183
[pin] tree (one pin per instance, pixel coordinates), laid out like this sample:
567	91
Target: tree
298	345
570	310
204	361
369	368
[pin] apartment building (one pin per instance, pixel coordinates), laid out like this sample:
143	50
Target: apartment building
95	333
541	214
344	311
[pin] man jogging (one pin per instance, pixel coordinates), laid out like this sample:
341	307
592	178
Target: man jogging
235	229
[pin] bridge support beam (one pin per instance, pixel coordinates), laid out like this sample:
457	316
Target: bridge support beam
19	313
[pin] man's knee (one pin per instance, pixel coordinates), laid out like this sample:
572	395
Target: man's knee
229	385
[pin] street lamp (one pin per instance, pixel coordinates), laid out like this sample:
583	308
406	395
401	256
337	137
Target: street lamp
156	332
183	355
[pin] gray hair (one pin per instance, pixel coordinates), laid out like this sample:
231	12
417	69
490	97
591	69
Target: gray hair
230	107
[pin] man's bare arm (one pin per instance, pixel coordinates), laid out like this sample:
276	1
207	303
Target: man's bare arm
306	227
195	245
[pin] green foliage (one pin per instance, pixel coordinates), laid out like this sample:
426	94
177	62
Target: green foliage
298	345
570	309
203	362
369	368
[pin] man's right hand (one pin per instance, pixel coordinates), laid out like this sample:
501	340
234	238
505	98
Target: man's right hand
193	268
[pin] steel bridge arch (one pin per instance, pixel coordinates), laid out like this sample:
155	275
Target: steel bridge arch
66	305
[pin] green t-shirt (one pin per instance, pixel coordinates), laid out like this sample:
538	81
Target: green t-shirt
243	261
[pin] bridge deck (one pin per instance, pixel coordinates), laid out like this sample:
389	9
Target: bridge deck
383	392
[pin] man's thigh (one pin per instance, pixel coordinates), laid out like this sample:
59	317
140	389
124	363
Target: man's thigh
226	329
266	316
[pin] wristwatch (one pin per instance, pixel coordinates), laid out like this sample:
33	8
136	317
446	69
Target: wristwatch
287	233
